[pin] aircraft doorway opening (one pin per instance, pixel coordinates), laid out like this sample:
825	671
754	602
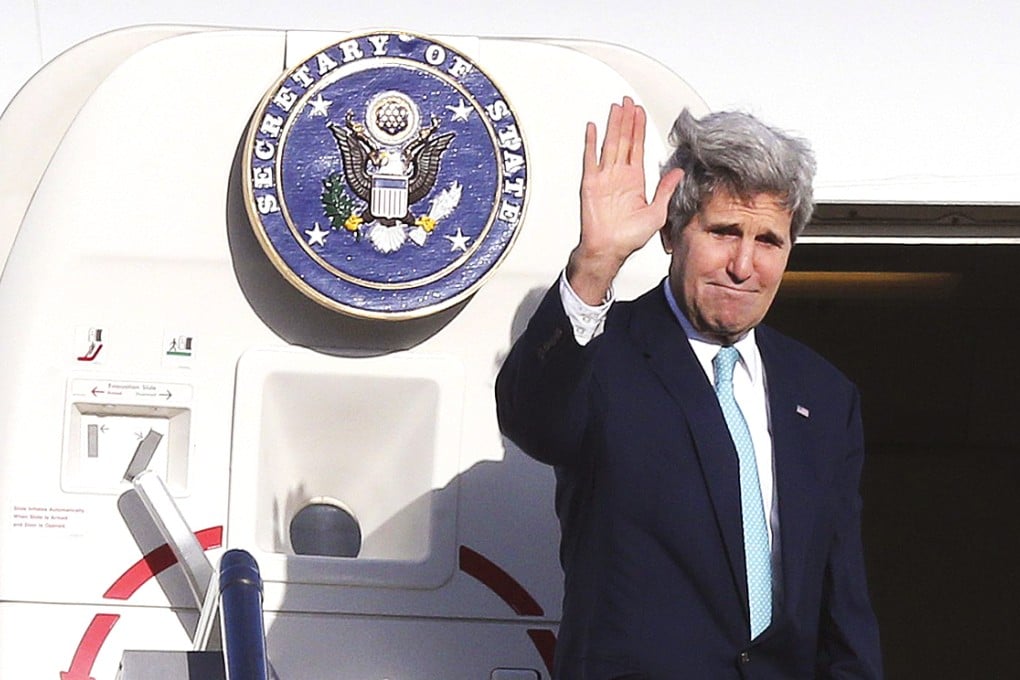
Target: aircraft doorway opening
920	306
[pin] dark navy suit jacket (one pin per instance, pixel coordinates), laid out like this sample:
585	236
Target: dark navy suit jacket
648	500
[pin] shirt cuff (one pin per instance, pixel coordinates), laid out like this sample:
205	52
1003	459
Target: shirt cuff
586	320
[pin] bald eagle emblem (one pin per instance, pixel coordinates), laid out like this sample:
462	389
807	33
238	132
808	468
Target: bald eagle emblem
385	176
391	162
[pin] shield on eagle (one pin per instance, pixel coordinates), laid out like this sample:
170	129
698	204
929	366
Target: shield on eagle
389	196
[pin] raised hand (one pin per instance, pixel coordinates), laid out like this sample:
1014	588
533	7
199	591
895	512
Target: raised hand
616	216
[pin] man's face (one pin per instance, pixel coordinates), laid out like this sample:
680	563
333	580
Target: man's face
728	262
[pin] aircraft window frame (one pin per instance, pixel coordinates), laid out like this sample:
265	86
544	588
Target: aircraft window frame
909	223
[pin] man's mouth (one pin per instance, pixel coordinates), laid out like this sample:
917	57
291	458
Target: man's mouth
734	289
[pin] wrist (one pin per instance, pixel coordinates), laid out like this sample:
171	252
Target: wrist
591	275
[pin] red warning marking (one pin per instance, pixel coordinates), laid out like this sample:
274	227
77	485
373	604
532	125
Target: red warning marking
124	587
156	561
499	582
545	643
92	352
88	648
513	593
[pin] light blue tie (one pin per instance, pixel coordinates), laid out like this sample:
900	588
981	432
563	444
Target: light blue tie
756	537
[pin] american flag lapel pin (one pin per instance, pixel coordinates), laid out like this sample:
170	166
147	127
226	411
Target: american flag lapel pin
803	411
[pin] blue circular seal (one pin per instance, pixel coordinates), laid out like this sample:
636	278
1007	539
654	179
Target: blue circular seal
385	176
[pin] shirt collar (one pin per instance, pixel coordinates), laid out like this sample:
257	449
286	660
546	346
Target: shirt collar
705	349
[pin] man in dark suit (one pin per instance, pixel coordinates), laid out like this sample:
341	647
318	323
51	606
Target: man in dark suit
707	467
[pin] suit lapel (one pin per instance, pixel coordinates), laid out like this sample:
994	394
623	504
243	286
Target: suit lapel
671	358
797	476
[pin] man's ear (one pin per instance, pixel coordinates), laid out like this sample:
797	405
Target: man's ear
666	237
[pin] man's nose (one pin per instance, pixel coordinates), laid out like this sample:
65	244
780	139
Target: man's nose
741	264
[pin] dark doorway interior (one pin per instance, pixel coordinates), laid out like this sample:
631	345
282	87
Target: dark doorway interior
931	335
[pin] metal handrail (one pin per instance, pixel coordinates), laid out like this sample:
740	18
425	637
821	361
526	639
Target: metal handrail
244	637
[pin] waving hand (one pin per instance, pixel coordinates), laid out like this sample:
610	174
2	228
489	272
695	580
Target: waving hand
616	216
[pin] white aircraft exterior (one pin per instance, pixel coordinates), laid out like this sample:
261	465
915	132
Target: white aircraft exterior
135	296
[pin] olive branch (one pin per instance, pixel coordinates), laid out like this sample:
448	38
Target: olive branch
340	207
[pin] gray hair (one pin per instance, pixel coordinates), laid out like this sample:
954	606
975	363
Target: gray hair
737	152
